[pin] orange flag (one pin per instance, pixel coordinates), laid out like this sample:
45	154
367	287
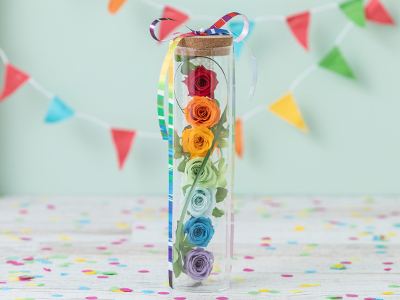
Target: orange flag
239	137
13	79
123	140
168	27
115	5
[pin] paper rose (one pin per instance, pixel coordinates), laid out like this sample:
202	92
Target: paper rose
201	82
198	263
202	111
199	231
197	141
202	202
206	179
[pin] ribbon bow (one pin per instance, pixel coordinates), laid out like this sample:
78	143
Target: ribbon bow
174	39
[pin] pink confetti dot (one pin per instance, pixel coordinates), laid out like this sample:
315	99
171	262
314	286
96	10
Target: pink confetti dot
163	293
369	298
351	295
287	275
49	206
148	246
248	270
264	245
116	243
114	263
222	298
92	297
126	290
47	270
387	263
180	298
2	282
102	276
28	258
395	213
346	262
101	248
125	211
142	227
353	238
214	273
381	217
388	269
141	201
25	238
46	249
84	271
143	271
122	240
249	257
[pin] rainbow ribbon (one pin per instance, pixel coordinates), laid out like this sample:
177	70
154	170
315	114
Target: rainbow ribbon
167	67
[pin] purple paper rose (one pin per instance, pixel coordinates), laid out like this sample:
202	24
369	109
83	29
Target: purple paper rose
198	263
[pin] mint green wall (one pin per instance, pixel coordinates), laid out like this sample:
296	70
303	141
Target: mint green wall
108	65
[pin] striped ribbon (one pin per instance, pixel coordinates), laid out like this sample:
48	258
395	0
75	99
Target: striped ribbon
167	67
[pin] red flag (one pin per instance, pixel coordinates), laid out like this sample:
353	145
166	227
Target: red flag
115	5
376	12
123	142
13	79
239	137
168	27
299	25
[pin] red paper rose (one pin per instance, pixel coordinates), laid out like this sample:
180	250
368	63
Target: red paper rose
201	82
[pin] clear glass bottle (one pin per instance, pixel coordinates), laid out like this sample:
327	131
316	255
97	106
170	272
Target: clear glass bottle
201	229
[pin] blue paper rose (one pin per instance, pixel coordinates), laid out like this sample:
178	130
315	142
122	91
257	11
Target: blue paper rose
199	231
202	202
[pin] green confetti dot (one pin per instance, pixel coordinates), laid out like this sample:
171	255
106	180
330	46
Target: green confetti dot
394	286
152	251
91	261
274	292
266	215
312	245
107	253
114	288
67	245
305	254
18	219
40	284
98	272
59	256
109	273
254	293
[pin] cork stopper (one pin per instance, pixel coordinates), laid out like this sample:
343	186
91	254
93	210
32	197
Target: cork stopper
205	45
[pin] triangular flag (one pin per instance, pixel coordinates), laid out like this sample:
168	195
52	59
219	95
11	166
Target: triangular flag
58	111
354	10
236	29
115	5
13	79
123	142
299	25
239	137
167	27
287	109
376	12
335	62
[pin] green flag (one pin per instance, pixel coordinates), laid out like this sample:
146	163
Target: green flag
335	62
354	10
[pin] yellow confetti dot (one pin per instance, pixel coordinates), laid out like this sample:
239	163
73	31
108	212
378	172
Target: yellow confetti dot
328	226
122	225
238	278
117	291
266	240
354	259
12	275
164	215
295	291
357	215
261	209
138	215
166	283
148	209
54	218
80	260
361	234
308	248
299	228
315	284
339	266
367	208
216	268
305	285
26	230
387	293
264	291
149	218
32	284
13	279
368	220
392	234
18	298
90	273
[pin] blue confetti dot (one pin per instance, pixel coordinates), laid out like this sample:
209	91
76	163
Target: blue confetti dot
147	292
5	288
396	225
83	288
288	217
311	271
121	266
64	274
270	248
342	224
24	271
38	276
57	295
292	243
137	208
381	252
113	259
85	221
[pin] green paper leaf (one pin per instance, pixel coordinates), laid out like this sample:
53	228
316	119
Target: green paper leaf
354	10
222	181
221	163
175	254
223	170
335	62
187	67
221	194
182	165
185	188
215	169
225	133
178	149
188	127
216	101
177	266
223	143
217	213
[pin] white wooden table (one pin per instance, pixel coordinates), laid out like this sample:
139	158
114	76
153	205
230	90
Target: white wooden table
298	236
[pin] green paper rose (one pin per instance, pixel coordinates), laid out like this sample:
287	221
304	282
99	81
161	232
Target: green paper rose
207	178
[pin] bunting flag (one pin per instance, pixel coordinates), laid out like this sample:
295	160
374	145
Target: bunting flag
115	5
299	25
123	140
287	109
236	29
239	137
335	62
167	27
58	111
376	12
354	10
13	79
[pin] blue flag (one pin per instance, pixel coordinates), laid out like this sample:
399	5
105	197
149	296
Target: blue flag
236	29
58	111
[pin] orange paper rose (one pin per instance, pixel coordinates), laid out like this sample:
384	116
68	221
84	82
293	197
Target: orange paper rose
197	141
202	111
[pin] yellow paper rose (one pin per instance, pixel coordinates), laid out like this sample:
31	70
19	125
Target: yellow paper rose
197	141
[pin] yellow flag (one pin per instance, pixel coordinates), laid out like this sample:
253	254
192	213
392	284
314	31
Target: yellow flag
287	109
